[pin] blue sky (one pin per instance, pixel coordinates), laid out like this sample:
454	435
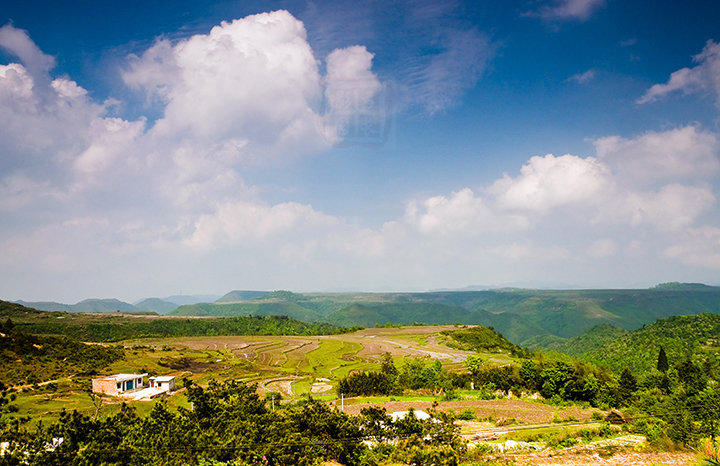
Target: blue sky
185	147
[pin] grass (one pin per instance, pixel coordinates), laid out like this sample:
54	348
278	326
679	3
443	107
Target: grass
254	359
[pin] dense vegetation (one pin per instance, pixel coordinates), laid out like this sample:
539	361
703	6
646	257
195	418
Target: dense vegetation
231	424
680	336
118	327
580	345
518	314
29	359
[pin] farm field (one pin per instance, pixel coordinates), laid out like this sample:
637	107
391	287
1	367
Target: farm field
297	365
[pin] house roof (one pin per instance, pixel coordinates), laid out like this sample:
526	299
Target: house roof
163	378
122	377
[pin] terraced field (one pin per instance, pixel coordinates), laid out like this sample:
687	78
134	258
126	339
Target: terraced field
294	366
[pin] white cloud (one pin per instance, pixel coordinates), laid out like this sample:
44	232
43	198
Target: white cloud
253	79
80	184
704	77
350	86
461	213
699	247
675	154
604	247
18	43
580	10
241	221
549	182
525	251
673	207
114	140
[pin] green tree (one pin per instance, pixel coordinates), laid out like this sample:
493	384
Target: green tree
708	411
662	361
627	385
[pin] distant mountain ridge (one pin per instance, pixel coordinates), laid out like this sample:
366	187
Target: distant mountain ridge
518	313
158	305
549	316
86	305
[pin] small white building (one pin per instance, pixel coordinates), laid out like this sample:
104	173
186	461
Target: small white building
165	383
118	384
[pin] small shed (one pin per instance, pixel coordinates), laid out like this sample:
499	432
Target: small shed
165	383
118	384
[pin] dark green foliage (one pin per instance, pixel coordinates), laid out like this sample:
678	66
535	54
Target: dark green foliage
662	362
627	384
679	336
229	423
707	411
415	374
366	383
589	340
26	358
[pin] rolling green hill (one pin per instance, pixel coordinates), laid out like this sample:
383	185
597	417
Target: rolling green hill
156	305
115	327
580	345
240	295
681	336
519	314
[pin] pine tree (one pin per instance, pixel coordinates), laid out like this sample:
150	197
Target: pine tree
662	362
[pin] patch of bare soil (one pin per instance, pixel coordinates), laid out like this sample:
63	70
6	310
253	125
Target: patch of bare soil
623	458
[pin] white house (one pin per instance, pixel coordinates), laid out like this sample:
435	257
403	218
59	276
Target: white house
165	383
118	384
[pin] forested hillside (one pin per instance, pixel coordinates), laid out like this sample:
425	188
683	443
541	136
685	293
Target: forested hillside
119	327
518	314
576	347
680	336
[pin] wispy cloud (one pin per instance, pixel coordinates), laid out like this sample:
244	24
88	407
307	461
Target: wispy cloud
582	78
564	10
438	80
704	77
